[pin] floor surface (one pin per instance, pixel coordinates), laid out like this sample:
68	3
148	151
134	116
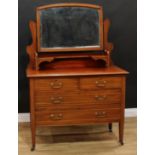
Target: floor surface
79	140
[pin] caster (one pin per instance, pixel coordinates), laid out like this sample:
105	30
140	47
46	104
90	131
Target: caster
110	127
33	148
110	130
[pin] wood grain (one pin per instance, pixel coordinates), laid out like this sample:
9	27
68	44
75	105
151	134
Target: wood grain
73	117
71	91
100	82
75	71
62	100
77	100
34	50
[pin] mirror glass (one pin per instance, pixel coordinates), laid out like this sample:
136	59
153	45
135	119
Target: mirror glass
62	27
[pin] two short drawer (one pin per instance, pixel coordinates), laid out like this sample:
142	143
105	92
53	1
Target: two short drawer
73	84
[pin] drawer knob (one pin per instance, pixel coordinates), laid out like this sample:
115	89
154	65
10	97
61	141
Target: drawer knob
56	85
56	116
100	114
57	100
100	83
100	98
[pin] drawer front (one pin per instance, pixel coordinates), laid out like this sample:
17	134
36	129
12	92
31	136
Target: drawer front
69	117
109	96
56	99
56	84
90	83
105	98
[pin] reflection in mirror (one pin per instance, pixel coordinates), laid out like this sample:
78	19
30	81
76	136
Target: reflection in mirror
69	27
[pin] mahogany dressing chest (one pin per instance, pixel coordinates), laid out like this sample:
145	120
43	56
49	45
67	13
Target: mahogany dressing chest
71	76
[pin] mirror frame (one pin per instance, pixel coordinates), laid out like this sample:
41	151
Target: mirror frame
71	49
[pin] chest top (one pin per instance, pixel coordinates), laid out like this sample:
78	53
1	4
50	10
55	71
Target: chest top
72	72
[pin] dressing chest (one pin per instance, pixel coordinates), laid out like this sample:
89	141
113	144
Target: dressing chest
74	88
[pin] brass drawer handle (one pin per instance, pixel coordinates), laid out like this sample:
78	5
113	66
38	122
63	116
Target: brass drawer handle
100	98
100	83
57	100
56	116
100	114
56	85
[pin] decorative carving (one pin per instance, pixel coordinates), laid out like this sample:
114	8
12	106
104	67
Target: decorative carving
31	49
41	60
36	58
101	57
108	46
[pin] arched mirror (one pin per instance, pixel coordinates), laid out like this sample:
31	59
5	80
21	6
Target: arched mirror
69	27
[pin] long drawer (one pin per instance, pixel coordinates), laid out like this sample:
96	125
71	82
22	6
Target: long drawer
73	117
106	98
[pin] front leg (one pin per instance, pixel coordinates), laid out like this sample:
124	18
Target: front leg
110	127
32	114
121	130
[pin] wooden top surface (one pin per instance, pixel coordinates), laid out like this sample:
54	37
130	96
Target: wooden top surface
113	70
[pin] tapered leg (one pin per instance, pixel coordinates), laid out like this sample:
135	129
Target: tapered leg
121	121
110	127
121	132
32	114
33	130
33	147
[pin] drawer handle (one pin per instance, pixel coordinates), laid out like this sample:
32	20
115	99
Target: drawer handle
56	116
100	83
100	98
56	85
57	100
100	114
